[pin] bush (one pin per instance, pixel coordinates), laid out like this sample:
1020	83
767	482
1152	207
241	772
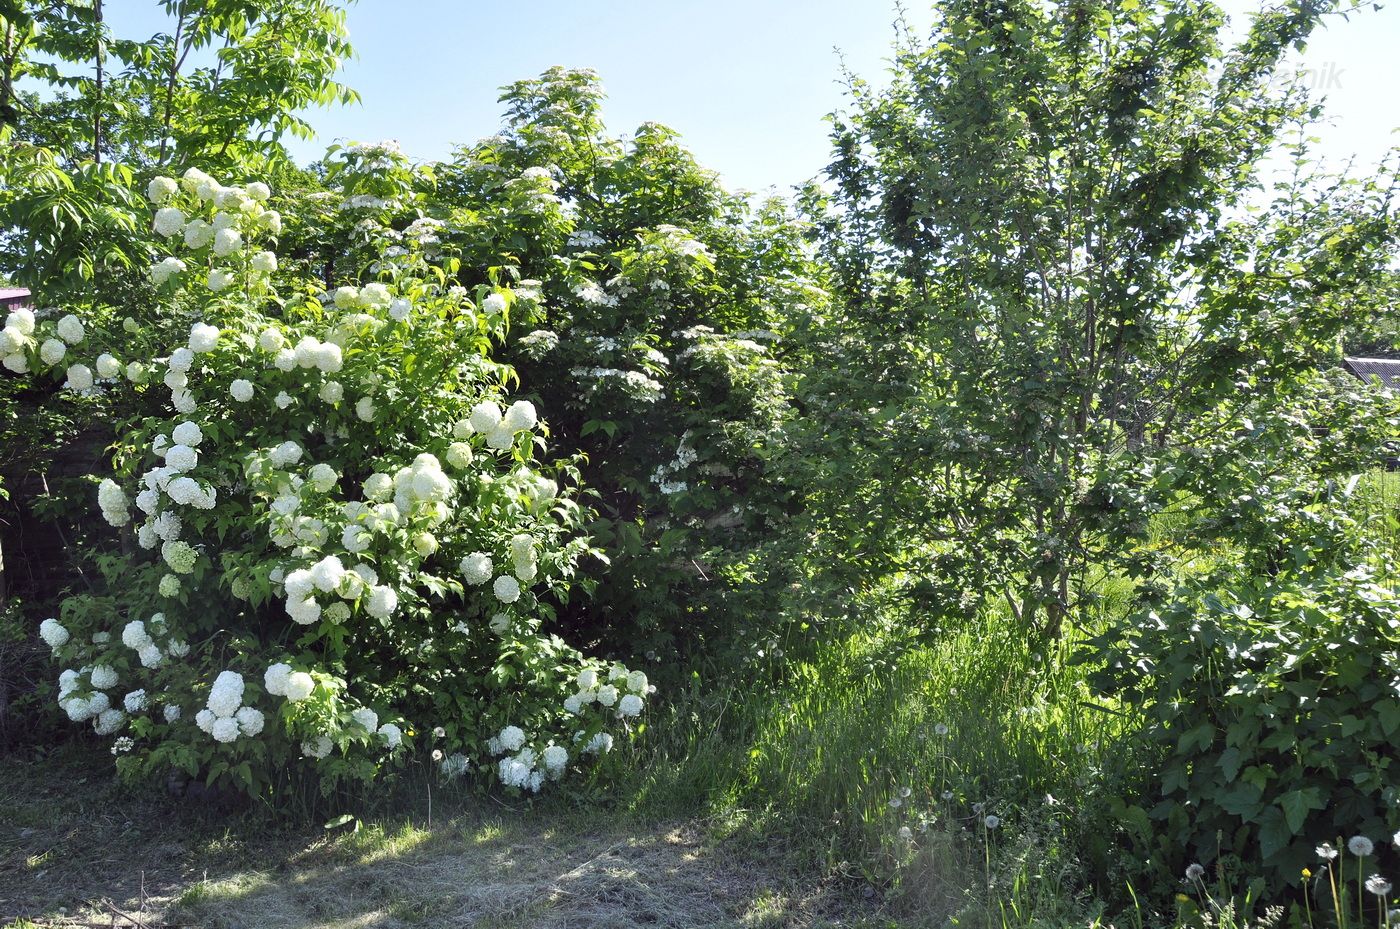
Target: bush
332	545
1272	708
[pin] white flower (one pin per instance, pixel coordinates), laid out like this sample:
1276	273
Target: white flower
275	679
500	622
169	220
1377	885
102	677
500	438
52	351
17	363
241	390
323	477
637	682
572	704
227	694
485	416
161	189
506	589
477	568
198	234
520	416
382	602
265	262
135	636
258	191
299	686
108	721
135	701
607	695
205	720
53	633
317	749
218	280
600	744
227	242
181	458
21	320
286	454
367	718
150	656
271	221
400	308
270	340
364	409
494	303
555	757
1360	846
107	366
629	705
328	357
250	720
511	738
327	573
332	392
187	433
79	378
303	611
172	712
203	337
70	329
391	734
224	729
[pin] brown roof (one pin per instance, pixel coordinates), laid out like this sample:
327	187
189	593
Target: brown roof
1387	369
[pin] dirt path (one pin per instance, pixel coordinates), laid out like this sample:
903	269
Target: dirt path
72	841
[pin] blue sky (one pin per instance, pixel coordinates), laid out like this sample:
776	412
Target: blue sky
746	83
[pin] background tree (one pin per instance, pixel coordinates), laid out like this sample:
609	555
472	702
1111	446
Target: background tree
1058	260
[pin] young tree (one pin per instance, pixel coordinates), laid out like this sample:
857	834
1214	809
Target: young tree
1058	254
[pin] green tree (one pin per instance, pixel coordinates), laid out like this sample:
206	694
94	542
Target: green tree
1061	258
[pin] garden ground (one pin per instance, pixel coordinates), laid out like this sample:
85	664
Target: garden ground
74	844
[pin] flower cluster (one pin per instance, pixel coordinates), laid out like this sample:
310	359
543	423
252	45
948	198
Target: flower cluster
331	494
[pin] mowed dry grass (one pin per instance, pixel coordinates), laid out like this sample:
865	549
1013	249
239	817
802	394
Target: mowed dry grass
74	844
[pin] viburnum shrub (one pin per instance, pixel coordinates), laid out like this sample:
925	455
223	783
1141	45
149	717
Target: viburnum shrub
337	542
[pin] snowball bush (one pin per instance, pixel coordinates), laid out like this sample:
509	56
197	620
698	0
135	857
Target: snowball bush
343	537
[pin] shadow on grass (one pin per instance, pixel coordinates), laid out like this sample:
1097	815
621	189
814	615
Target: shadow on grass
72	837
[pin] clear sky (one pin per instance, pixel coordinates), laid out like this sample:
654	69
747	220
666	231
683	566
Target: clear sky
746	82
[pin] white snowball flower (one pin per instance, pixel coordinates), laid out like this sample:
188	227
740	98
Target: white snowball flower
572	704
109	721
346	297
555	757
187	433
327	573
355	538
218	280
275	679
630	705
135	701
203	337
265	262
382	602
53	633
21	320
329	357
161	189
506	589
607	695
299	686
364	409
600	744
241	390
102	677
271	221
135	636
258	191
367	718
136	372
270	340
392	735
79	378
477	568
107	366
52	351
304	611
511	738
227	694
282	400
494	303
332	392
587	679
500	622
400	308
169	220
250	720
205	720
17	363
317	749
286	454
172	712
70	329
323	477
520	416
180	458
485	416
198	234
225	729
